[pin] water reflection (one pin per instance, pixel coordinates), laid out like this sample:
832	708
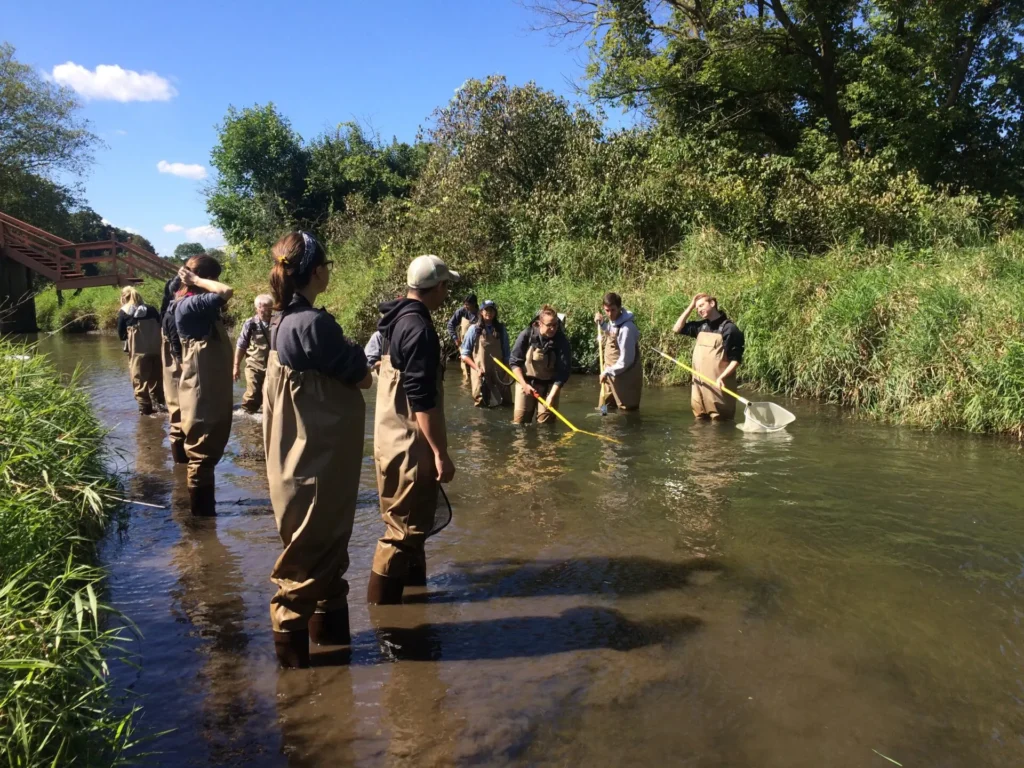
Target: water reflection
696	595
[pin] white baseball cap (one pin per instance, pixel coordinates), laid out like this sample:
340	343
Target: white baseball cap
427	271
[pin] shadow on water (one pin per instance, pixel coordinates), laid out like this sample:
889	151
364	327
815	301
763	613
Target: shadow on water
577	629
612	576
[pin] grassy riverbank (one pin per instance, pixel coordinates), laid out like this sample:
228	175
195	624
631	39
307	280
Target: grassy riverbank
56	500
92	309
929	337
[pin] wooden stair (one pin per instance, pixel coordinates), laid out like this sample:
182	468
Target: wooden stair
47	255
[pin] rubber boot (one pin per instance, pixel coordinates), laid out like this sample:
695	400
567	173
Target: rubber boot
292	649
384	590
178	452
330	627
145	410
203	501
416	576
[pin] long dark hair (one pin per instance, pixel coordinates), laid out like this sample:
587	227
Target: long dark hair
480	318
286	277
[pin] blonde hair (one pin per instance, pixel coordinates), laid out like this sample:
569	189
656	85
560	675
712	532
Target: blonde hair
129	295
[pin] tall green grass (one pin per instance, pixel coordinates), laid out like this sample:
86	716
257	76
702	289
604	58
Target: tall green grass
932	337
56	501
92	309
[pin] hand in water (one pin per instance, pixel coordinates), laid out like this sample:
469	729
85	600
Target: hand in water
445	467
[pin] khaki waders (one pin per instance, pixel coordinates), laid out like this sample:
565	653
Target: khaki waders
625	388
171	375
407	484
144	363
709	359
256	369
463	330
489	390
313	437
539	371
204	395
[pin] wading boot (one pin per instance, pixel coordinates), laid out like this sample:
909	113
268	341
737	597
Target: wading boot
416	576
292	649
178	452
145	410
384	590
330	627
203	501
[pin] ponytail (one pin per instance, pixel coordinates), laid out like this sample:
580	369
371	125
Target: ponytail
296	256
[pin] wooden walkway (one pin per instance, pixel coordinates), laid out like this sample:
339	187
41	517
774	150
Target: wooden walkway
61	260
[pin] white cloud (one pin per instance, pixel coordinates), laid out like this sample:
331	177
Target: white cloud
110	82
206	234
185	170
173	228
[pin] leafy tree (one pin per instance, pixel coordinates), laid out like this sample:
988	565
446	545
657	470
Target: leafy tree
186	250
261	171
936	85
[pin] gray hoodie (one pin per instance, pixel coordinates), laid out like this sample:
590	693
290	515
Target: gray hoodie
628	337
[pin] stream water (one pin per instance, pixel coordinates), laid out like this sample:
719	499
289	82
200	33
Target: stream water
829	596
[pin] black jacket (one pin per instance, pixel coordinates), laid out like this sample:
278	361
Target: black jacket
124	322
559	343
170	330
732	337
410	339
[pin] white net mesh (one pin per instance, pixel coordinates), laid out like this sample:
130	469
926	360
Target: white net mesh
765	417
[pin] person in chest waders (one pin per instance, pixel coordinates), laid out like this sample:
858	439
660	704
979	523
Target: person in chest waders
459	325
204	388
313	422
717	354
254	345
170	357
623	374
410	441
541	361
138	325
485	340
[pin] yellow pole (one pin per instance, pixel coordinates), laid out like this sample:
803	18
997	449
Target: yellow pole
562	418
705	378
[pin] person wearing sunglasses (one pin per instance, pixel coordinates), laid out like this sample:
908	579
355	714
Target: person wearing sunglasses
541	361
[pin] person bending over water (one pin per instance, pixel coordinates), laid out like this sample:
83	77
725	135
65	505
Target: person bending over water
541	361
717	354
204	389
313	422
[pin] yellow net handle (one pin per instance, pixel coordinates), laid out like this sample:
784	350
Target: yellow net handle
562	418
705	378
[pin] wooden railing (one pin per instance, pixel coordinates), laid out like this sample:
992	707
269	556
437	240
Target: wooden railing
61	260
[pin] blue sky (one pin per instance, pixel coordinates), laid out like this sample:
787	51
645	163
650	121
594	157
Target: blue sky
388	65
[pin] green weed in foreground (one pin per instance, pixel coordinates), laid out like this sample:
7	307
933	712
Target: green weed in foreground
56	500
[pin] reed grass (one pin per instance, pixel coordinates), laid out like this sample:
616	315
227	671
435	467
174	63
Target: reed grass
56	500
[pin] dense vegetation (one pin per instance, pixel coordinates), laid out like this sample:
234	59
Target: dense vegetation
842	174
56	499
